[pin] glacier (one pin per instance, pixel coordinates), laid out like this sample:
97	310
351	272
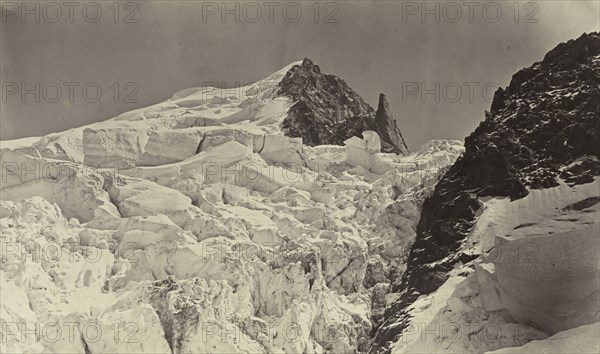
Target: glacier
196	225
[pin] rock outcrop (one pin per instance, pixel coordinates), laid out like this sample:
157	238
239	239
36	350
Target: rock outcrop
328	112
387	126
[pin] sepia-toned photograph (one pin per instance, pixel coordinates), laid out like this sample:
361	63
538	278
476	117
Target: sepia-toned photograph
300	177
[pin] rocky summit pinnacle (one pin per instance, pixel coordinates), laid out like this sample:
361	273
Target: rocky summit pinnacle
328	111
387	127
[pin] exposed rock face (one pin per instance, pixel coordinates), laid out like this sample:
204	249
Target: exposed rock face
328	111
543	128
387	126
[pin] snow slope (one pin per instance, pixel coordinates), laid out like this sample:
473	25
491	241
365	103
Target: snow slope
538	275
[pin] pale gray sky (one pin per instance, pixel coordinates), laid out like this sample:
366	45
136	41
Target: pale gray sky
377	46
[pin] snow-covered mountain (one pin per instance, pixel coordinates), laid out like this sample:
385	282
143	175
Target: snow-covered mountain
213	222
288	216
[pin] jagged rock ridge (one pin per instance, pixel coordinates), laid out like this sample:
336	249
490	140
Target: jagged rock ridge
543	128
328	111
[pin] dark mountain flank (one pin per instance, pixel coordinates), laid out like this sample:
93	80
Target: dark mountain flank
544	127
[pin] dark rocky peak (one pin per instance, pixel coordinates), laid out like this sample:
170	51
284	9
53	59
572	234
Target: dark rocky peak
549	114
328	111
387	126
383	106
576	51
308	65
567	63
543	127
307	83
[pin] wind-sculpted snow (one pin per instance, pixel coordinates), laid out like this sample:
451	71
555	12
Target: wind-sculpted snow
585	338
196	226
537	276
